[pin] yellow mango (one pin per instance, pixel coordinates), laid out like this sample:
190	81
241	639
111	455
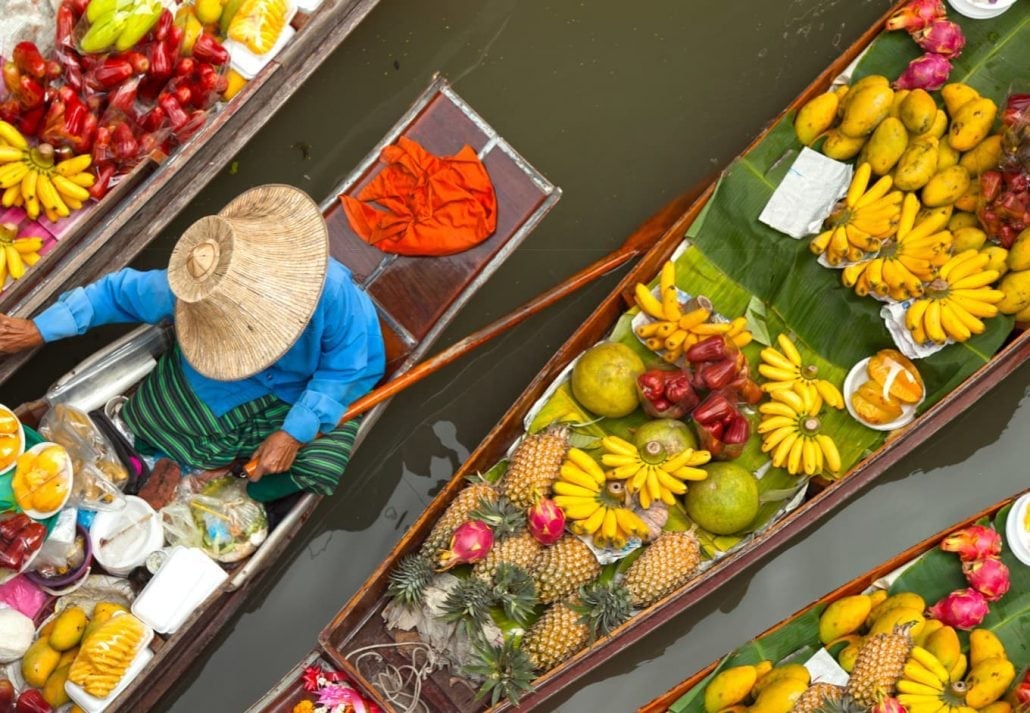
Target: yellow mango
872	80
1019	253
957	95
984	156
969	200
1023	315
983	645
967	239
841	90
739	708
886	145
68	628
918	111
971	124
1016	286
998	259
38	663
899	616
930	627
793	671
877	597
866	108
946	156
917	165
944	644
910	600
997	707
44	631
899	97
846	658
729	687
68	656
779	696
945	187
844	616
988	680
209	11
963	219
938	128
815	117
840	147
53	689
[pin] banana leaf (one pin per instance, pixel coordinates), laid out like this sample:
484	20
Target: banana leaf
932	576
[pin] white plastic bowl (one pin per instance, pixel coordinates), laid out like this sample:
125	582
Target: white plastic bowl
130	543
858	376
981	9
66	474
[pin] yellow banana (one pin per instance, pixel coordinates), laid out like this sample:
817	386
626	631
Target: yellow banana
14	262
68	187
12	136
932	323
587	464
929	662
71	166
614	444
562	487
11	153
577	509
878	191
831	455
571	474
648	302
859	183
671	304
12	174
49	198
952	325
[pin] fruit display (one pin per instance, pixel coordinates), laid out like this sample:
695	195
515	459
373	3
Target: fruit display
42	479
11	440
792	433
31	179
955	303
20	539
940	39
106	654
785	369
867	216
893	383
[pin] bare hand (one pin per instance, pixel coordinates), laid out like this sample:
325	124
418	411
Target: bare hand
17	334
275	455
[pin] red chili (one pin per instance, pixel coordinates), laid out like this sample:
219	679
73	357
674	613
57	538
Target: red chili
208	49
28	59
713	410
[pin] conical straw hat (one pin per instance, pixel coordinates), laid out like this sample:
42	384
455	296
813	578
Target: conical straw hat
247	281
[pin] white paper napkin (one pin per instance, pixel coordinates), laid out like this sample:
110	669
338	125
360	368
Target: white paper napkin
807	194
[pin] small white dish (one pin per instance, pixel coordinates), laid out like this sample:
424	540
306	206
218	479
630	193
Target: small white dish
66	474
130	535
1017	535
981	9
858	376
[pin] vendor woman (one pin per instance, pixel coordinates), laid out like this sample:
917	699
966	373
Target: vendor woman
274	342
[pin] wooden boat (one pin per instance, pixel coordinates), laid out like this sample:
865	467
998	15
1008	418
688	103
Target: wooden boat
860	584
416	298
359	623
113	231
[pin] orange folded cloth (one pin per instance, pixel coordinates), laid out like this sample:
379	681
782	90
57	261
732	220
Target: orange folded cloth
431	205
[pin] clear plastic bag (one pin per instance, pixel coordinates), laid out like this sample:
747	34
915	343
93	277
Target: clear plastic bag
99	474
232	525
179	526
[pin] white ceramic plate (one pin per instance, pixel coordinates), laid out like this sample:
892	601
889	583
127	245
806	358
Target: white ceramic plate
980	9
1016	533
66	473
858	376
21	443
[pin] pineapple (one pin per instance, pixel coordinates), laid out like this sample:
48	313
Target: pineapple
878	666
563	568
568	626
665	565
501	515
409	579
515	591
505	671
534	467
468	606
520	550
457	513
823	698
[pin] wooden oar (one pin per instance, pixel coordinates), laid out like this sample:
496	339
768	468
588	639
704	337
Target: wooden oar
636	244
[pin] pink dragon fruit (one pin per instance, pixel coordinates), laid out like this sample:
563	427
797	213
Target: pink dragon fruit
916	15
988	576
546	521
888	705
469	543
975	542
928	72
962	609
941	37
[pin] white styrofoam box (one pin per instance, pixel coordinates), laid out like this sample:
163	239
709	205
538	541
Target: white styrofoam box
92	704
308	6
185	580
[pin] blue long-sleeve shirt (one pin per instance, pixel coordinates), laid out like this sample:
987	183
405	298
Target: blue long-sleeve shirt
338	358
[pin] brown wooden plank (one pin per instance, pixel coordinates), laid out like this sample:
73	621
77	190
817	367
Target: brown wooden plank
855	586
348	248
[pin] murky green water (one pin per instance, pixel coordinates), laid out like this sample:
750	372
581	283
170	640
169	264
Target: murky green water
624	106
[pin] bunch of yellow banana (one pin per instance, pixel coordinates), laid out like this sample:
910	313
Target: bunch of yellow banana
909	259
30	179
785	369
16	252
926	686
955	303
594	506
651	472
675	331
867	216
791	432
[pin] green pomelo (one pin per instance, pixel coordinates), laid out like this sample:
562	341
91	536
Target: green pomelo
726	501
674	436
604	379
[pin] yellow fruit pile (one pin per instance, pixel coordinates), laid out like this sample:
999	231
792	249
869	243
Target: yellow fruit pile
650	472
792	433
106	654
30	179
595	506
785	369
1015	284
16	252
954	304
930	685
42	480
10	438
674	330
867	217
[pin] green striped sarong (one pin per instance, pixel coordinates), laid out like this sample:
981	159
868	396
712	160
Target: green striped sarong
168	419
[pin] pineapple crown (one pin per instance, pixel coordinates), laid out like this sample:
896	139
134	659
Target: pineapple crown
602	606
503	517
468	605
409	579
837	700
505	670
515	590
